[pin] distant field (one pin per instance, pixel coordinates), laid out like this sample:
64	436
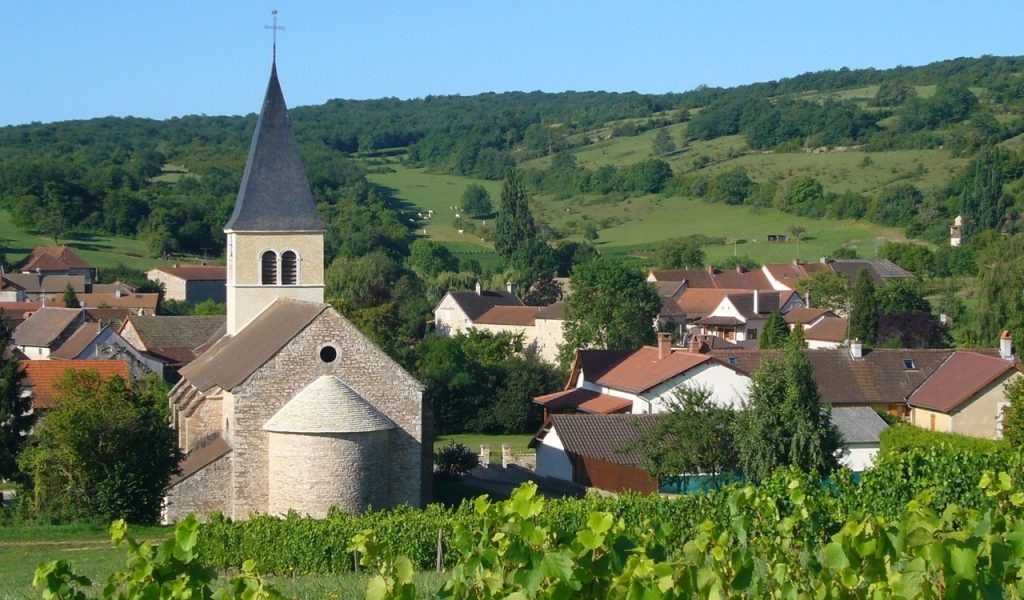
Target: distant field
637	224
101	251
474	440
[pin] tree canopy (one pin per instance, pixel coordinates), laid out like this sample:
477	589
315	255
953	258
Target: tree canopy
864	309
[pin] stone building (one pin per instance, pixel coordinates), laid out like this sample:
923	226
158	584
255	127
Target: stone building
292	408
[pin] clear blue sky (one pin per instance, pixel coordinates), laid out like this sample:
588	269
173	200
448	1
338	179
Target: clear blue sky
72	60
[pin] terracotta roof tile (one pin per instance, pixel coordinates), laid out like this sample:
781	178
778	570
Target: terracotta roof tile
49	257
508	315
134	300
583	400
636	371
828	329
958	379
804	316
42	376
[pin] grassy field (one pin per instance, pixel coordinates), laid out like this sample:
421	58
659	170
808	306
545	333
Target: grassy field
88	548
100	251
473	441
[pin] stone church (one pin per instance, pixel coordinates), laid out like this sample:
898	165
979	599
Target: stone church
291	408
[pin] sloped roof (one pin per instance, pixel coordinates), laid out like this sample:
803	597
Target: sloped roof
553	312
697	302
78	342
583	400
858	424
880	269
327	405
42	375
508	315
636	371
50	258
767	302
196	272
48	284
880	377
44	326
804	316
274	194
958	379
146	300
711	278
230	360
165	332
474	304
828	329
201	457
604	437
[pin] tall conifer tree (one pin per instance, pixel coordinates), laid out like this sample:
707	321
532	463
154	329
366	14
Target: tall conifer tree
864	309
14	408
514	228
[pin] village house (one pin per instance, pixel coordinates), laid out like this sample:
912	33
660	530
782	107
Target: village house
98	341
29	287
45	330
136	303
172	340
57	260
735	315
191	283
458	311
292	408
41	377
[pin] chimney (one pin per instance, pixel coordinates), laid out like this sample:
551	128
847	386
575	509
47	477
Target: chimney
508	286
664	344
739	268
695	344
477	288
757	302
807	299
856	348
1006	346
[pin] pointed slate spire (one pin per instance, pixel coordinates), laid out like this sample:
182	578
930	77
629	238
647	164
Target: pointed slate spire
274	195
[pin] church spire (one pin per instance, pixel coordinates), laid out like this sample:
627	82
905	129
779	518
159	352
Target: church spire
274	194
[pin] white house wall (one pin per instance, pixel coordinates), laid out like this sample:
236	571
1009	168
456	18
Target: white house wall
552	460
449	318
858	457
728	388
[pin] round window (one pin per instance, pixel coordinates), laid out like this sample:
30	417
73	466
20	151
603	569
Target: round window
328	354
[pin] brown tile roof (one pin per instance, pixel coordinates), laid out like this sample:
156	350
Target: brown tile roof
804	316
958	379
107	314
554	312
609	438
110	288
880	269
583	400
828	329
190	331
880	377
742	279
53	257
767	302
45	326
134	300
508	315
737	279
785	273
200	458
49	284
42	375
697	302
231	360
636	371
78	341
474	304
720	320
196	272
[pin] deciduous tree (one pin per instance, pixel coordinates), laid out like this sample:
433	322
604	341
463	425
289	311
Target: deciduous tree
680	253
476	201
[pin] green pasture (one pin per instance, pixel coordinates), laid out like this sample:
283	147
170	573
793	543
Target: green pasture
474	440
101	251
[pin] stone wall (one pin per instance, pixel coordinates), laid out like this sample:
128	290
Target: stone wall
203	422
363	367
310	473
204	492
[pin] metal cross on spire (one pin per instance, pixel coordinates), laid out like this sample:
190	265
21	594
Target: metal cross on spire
275	29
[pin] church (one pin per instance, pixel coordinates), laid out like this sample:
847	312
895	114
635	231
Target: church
290	407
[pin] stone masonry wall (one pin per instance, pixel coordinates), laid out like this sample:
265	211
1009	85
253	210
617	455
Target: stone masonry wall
204	421
364	368
204	492
310	473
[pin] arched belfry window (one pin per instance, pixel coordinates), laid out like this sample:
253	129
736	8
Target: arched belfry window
289	268
268	268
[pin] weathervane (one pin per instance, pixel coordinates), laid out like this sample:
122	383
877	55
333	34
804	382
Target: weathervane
275	28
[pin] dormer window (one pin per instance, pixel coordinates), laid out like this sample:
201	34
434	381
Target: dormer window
268	268
289	268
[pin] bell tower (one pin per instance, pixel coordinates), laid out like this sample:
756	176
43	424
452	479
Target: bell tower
275	238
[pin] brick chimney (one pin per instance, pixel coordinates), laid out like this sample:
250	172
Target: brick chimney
856	348
664	344
695	344
1006	346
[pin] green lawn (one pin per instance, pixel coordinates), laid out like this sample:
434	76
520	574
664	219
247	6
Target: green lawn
474	440
101	251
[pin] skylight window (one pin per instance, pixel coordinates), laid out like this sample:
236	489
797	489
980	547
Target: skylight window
909	364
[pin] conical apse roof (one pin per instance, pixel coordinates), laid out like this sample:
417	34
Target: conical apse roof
274	195
328	406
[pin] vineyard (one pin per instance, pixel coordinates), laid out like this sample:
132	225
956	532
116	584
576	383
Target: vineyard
937	522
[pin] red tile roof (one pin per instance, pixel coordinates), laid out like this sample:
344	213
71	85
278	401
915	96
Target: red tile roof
829	329
636	371
508	315
583	400
42	376
958	379
135	300
806	315
51	258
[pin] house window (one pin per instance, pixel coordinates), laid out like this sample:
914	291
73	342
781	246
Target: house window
733	361
908	364
328	354
289	268
268	268
751	334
